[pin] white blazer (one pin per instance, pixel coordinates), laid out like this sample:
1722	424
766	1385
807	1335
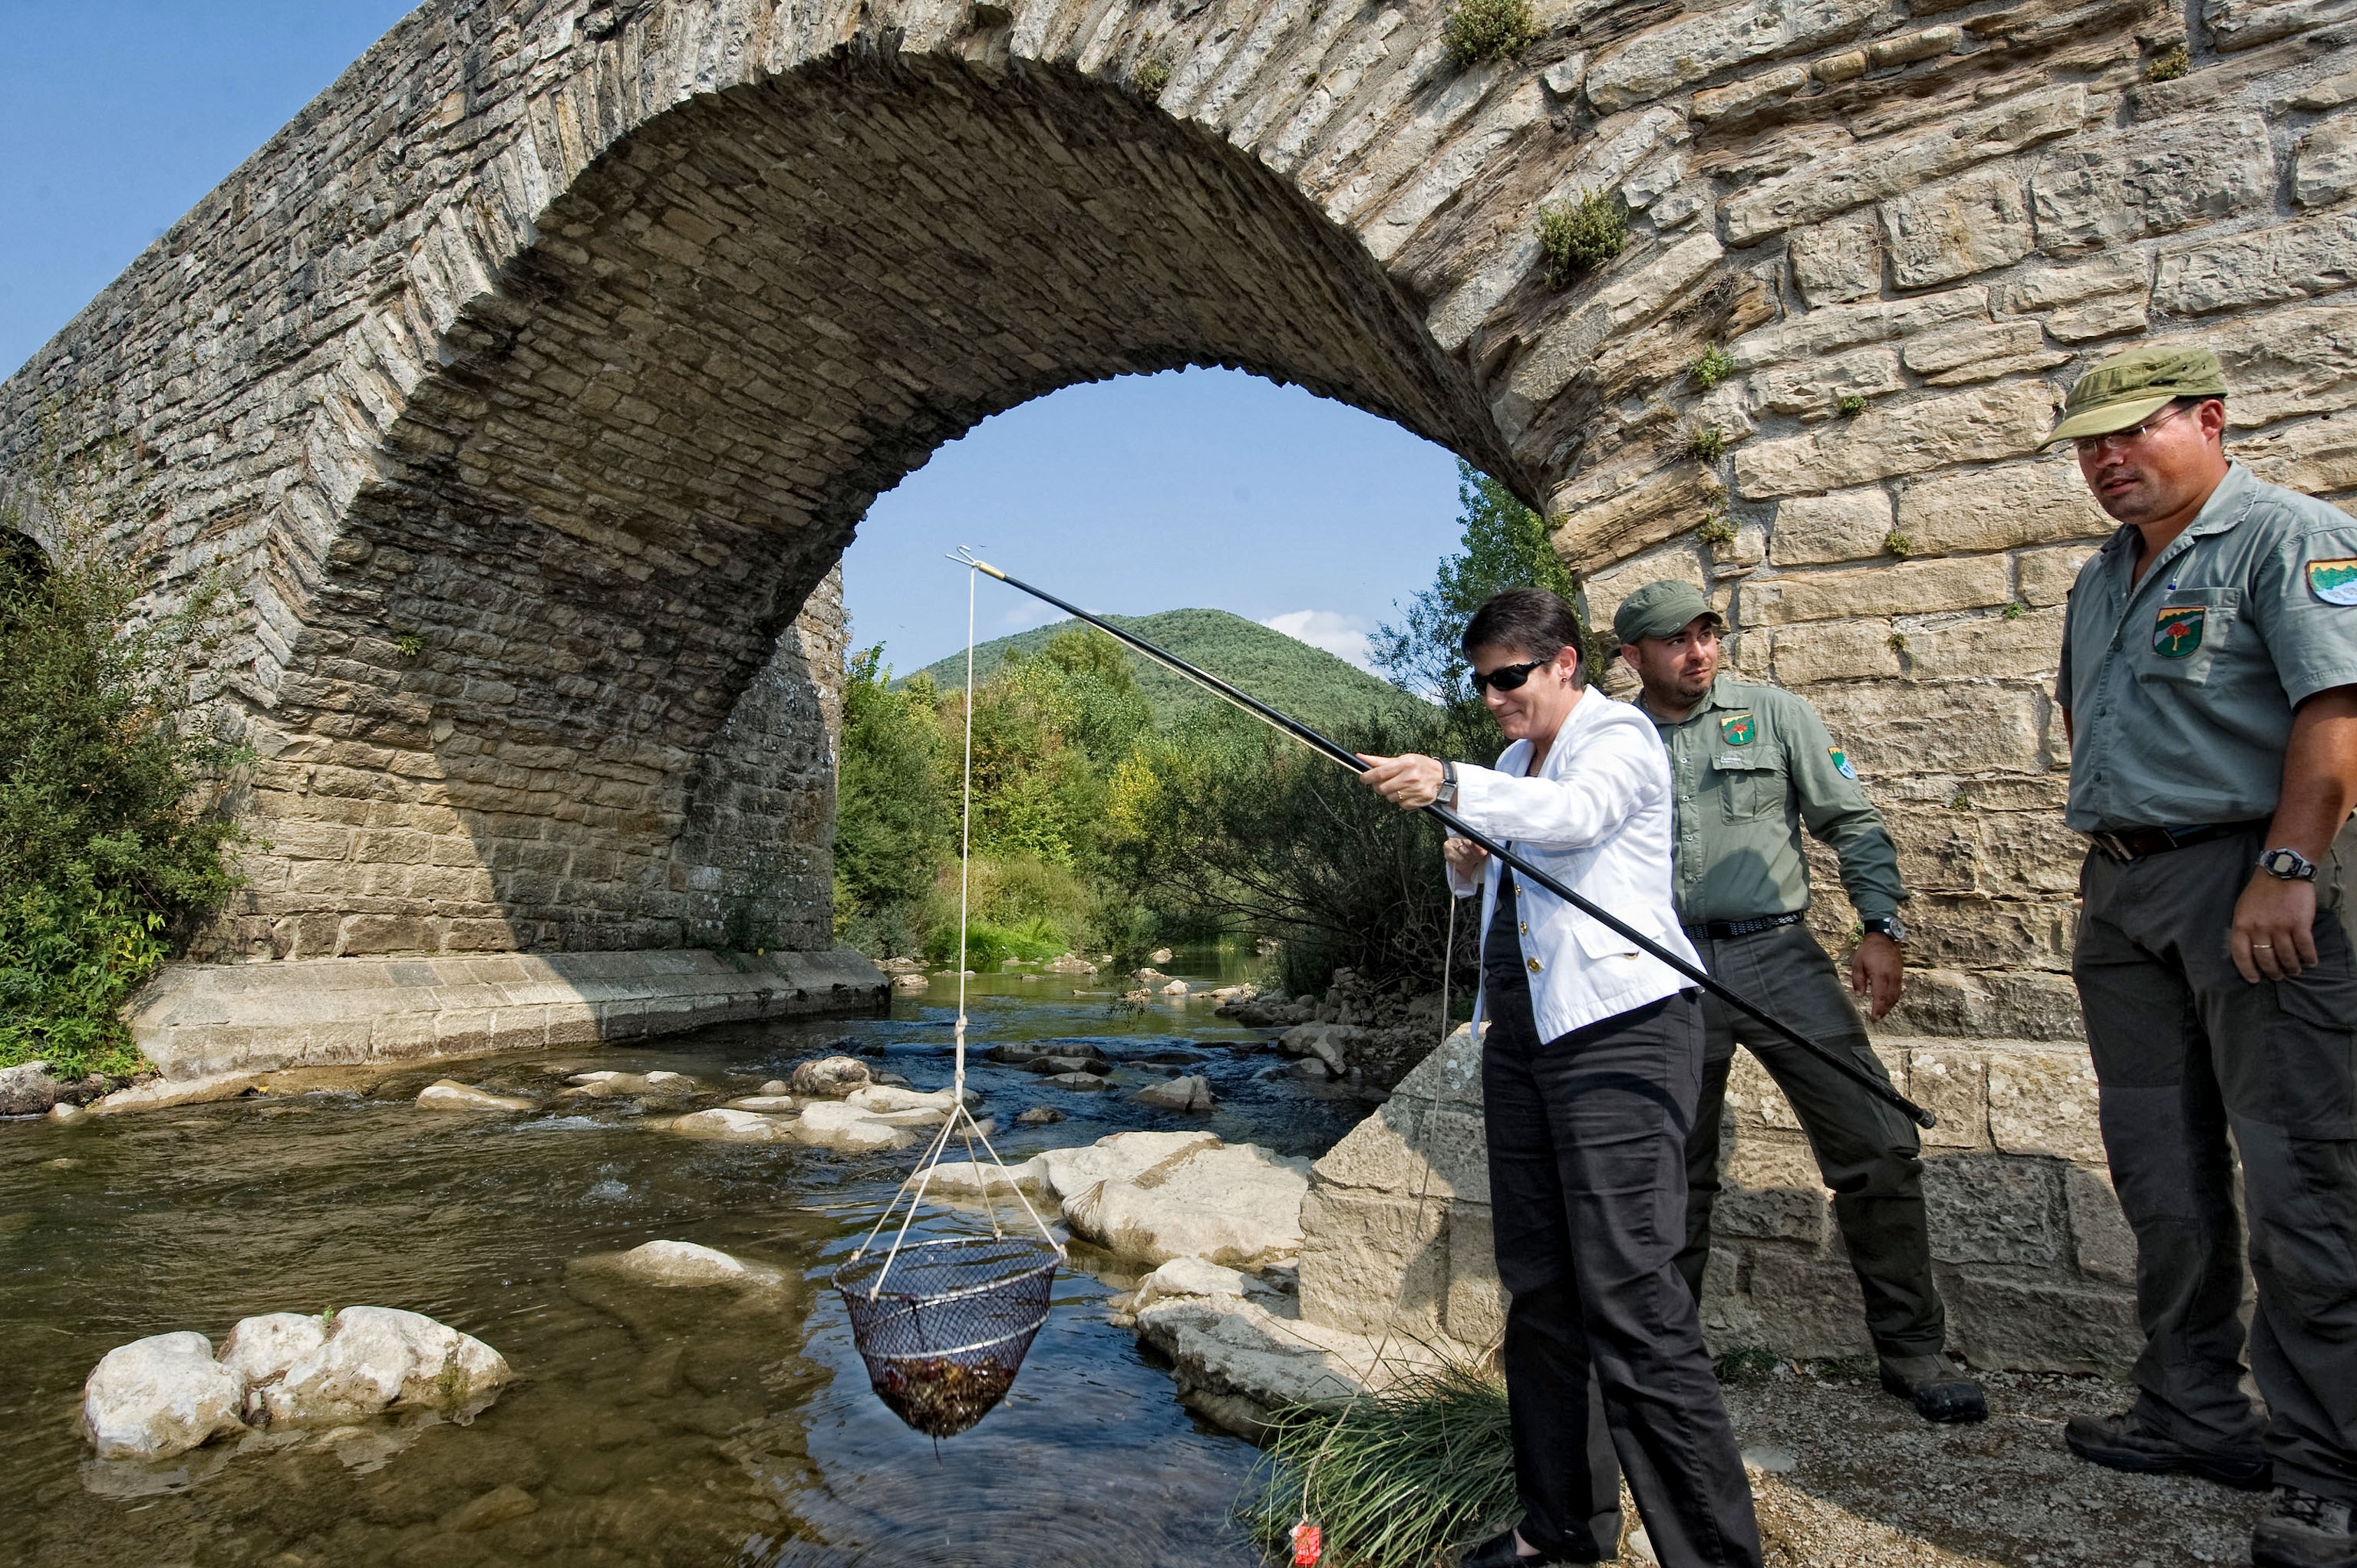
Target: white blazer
1597	819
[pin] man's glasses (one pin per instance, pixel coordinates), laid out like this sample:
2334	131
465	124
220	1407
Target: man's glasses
1507	677
2095	445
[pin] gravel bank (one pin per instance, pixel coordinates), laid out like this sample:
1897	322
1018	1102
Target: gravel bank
1853	1479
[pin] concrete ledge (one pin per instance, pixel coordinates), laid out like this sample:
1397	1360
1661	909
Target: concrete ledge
198	1020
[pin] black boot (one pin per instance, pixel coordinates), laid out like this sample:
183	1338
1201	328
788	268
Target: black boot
2300	1530
2124	1443
1939	1387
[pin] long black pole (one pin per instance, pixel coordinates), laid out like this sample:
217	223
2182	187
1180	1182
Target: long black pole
1458	825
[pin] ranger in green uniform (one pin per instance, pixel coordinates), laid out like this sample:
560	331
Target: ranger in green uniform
2209	682
1750	767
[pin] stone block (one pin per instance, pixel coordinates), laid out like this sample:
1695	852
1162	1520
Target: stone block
482	936
1755	1106
1834	650
1648	512
2046	575
2059	1327
1851	175
1837	261
1835	327
1884	53
1849	525
1988	423
1989	1208
1901	588
2105	190
1372	1264
2317	458
1978	351
2236	24
1944	232
366	934
2044	1103
1773	1214
2102	1244
1982	1006
1951	1082
1739	98
1813	388
1635	294
1764	1160
1807	1306
2036	503
1892	728
2324	168
2012	854
1476	1310
2284	363
2264	266
1975	931
2046	286
1660	61
2027	647
2112	317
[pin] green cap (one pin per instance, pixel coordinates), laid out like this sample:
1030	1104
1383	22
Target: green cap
1660	609
2128	388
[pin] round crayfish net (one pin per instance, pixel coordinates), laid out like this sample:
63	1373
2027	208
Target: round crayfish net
948	1330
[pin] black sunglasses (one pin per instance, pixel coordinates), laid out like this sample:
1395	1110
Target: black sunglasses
1507	677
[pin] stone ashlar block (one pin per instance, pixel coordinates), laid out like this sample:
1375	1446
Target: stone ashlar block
366	934
1837	261
1829	330
2113	318
1974	930
1834	650
1661	61
2266	266
2009	853
2101	191
1989	1208
2045	1102
2046	575
1372	1264
1476	1310
2040	1326
1849	525
2324	169
2044	287
1951	1082
1739	98
1813	388
2028	647
1977	352
2316	457
2102	1243
1991	1005
1807	1306
2282	362
1772	1214
1907	587
2007	420
2003	507
1952	231
1850	176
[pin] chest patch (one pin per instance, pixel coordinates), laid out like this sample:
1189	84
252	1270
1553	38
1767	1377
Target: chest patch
1841	763
1738	729
2334	582
2177	632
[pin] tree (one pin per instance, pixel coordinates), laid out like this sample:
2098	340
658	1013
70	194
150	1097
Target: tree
895	823
1506	546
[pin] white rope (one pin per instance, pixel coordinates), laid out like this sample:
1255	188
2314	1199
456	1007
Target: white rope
960	1120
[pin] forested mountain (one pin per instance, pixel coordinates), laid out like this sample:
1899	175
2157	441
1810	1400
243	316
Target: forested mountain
1292	677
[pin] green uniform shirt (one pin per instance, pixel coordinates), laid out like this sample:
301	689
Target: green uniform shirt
1748	767
2181	685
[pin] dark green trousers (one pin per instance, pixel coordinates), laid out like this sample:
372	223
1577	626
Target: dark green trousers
1867	1152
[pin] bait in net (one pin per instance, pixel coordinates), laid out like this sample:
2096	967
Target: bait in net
945	1336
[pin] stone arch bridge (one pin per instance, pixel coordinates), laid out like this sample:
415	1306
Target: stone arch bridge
528	385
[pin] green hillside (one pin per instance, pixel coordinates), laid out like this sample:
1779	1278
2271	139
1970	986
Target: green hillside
1306	683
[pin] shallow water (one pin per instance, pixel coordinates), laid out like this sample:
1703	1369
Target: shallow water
645	1426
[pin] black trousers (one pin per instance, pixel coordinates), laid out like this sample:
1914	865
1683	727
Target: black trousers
1604	1358
1866	1150
2196	1065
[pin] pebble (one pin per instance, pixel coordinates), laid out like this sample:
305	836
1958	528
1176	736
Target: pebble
1081	1080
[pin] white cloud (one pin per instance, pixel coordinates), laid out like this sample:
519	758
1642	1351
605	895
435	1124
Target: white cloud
1344	636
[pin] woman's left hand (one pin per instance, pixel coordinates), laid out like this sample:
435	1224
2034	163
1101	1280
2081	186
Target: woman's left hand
1410	782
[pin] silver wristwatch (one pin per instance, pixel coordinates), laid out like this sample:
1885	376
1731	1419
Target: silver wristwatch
2288	864
1889	926
1447	795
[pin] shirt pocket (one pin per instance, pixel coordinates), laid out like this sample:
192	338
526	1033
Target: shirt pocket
1750	786
2184	634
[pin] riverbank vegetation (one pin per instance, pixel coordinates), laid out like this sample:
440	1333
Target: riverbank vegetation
109	852
1117	809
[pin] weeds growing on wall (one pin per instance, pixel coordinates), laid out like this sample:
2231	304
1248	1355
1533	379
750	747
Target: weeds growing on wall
109	852
1395	1481
1579	236
1481	30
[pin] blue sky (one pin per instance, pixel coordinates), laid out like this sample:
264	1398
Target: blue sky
1202	487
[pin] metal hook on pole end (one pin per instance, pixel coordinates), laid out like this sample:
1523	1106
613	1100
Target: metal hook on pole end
965	556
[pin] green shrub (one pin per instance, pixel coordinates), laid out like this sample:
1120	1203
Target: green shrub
2014	610
1578	236
111	854
1151	75
1715	366
1708	443
1715	530
1852	405
1479	30
1897	544
2169	64
1394	1480
1747	1366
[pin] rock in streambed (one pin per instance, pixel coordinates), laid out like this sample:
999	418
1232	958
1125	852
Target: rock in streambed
165	1395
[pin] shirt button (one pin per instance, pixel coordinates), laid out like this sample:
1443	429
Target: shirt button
1533	963
1526	927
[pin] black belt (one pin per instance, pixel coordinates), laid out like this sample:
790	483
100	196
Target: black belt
1720	930
2135	843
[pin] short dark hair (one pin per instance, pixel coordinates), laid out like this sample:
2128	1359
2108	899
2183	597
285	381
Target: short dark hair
1533	622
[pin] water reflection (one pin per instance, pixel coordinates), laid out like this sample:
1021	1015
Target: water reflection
693	1427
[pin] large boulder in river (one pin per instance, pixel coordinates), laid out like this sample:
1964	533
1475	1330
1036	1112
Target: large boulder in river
28	1089
449	1094
684	1264
373	1359
1192	1092
160	1396
734	1126
833	1077
1234	1204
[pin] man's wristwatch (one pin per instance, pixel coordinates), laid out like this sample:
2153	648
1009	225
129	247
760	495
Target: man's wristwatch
1447	795
1889	926
2288	865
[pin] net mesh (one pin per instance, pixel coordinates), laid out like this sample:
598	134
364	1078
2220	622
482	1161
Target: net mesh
945	1336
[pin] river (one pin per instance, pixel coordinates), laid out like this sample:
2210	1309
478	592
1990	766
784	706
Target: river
689	1427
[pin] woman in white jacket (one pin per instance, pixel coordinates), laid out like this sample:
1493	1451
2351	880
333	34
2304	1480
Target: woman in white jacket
1590	1070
